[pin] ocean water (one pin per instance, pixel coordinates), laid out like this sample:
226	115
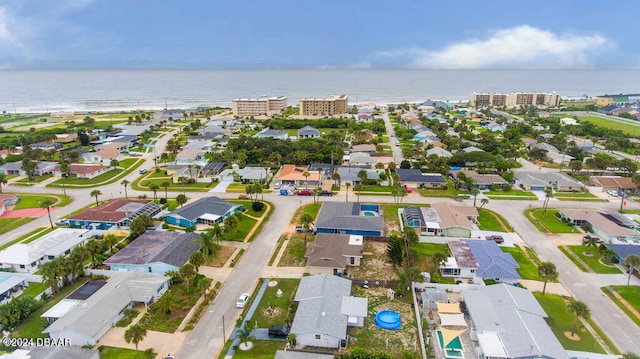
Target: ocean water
104	90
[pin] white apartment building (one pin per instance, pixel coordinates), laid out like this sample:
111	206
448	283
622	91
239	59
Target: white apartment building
258	106
334	105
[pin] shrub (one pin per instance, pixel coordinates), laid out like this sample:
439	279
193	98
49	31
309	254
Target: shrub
257	206
163	200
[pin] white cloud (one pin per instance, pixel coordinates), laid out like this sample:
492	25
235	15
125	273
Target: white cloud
6	35
519	47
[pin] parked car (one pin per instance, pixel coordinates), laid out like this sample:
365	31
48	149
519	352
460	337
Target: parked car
143	171
61	223
276	186
496	237
278	331
623	194
244	196
613	193
300	229
242	301
587	238
326	193
304	192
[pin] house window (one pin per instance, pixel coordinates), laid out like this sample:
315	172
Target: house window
353	260
318	337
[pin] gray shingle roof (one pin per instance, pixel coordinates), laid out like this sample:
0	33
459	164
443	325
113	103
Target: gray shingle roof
351	173
308	131
194	210
414	175
172	248
516	318
318	295
494	263
546	179
623	250
339	215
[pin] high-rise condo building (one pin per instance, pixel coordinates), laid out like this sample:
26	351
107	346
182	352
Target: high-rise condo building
514	99
258	106
335	105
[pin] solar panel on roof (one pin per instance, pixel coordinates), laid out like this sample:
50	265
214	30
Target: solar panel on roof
87	290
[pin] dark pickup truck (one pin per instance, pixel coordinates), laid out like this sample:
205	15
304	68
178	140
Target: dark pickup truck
278	331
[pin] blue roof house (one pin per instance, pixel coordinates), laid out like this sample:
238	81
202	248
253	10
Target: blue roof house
350	218
494	263
207	210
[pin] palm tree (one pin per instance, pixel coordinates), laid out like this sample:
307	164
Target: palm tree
135	334
230	223
483	202
125	183
548	194
203	284
166	304
306	175
187	272
94	248
547	271
580	309
3	180
632	261
474	192
197	259
47	203
335	177
306	219
357	189
154	187
438	259
181	199
245	333
165	185
96	193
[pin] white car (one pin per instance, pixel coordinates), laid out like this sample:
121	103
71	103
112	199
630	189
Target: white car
613	193
242	301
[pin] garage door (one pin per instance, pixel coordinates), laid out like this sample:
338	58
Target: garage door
537	188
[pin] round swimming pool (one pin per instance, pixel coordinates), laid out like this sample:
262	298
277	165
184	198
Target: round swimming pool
369	214
388	319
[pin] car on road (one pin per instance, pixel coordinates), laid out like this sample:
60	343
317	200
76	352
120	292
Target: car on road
244	196
242	301
326	193
304	192
397	143
143	171
278	331
495	237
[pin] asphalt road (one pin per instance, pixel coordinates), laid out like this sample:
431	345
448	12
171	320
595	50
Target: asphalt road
397	152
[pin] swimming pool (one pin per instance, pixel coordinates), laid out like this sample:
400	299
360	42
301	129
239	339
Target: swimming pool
369	214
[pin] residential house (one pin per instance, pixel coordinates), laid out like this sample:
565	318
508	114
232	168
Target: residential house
494	264
481	181
15	168
607	225
66	137
208	210
568	121
117	212
472	149
333	253
538	181
270	133
350	218
349	175
28	257
191	156
365	148
438	151
46	146
546	137
614	183
361	159
559	158
495	127
529	141
245	175
133	130
292	175
308	132
216	130
104	155
327	169
364	117
608	109
461	264
122	142
545	146
212	169
623	251
156	252
508	322
11	286
87	171
442	218
6	200
325	310
414	178
88	314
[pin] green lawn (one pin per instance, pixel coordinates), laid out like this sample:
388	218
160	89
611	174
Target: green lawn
122	353
561	321
240	233
33	201
627	311
262	349
627	128
273	310
382	189
174	187
34	290
572	258
593	261
511	195
630	293
36	179
312	209
488	221
576	196
7	224
246	204
32	326
429	249
450	192
549	221
293	255
528	269
111	176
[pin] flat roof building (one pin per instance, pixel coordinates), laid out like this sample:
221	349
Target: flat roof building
334	105
258	106
514	99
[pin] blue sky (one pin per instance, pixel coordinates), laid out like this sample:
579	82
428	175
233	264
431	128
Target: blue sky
318	34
